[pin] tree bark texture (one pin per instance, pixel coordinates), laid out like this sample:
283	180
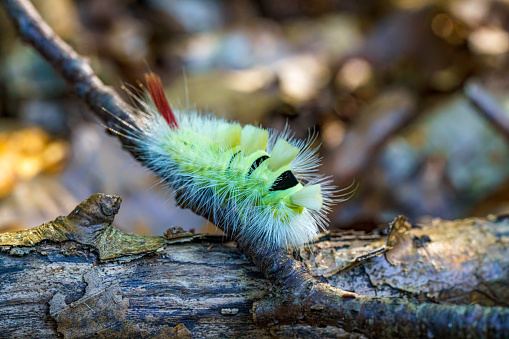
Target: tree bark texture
78	276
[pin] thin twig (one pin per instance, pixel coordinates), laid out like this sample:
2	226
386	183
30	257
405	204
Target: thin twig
300	298
75	69
488	106
370	133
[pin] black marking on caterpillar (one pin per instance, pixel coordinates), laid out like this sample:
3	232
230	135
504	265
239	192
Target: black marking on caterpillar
231	159
257	163
284	181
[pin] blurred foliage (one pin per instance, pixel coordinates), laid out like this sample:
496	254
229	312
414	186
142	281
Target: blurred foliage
380	80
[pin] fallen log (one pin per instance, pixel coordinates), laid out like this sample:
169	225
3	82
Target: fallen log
79	276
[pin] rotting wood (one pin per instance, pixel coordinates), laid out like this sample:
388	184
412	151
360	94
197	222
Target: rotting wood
54	279
461	261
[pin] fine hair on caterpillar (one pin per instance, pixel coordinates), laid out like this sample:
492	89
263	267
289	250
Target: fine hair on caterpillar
263	182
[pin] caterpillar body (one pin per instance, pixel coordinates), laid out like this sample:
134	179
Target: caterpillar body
263	178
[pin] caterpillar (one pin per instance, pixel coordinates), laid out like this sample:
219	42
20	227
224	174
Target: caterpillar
263	177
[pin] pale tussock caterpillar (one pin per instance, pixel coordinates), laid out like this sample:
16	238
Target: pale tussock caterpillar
264	178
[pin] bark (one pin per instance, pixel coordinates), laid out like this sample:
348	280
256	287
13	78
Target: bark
79	276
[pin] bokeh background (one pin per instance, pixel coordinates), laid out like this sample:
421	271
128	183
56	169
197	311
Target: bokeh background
381	81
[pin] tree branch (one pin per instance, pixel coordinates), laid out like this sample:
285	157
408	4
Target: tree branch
488	107
382	317
373	128
301	297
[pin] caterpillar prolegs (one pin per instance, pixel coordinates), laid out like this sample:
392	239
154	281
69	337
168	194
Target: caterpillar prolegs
263	178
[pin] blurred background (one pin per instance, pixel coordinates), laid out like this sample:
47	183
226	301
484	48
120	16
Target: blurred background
381	81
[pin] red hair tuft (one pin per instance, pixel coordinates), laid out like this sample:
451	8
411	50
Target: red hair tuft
155	87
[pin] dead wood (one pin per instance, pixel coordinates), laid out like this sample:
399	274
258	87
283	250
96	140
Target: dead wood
80	276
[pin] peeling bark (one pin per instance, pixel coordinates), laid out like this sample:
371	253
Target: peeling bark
88	224
461	261
56	279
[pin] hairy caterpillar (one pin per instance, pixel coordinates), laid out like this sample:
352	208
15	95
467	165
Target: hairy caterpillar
264	177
